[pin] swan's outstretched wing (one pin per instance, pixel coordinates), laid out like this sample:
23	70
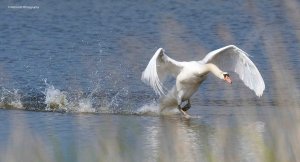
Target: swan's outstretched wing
234	59
158	68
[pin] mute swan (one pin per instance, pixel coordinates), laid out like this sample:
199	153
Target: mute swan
189	75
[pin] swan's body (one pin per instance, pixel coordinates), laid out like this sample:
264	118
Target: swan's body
189	75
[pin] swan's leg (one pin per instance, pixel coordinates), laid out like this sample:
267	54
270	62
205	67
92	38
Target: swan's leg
187	106
179	101
186	115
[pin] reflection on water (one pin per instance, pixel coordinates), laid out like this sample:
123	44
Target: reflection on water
188	140
129	138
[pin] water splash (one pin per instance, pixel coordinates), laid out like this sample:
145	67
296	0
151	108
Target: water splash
54	98
91	102
10	99
118	100
149	109
57	100
83	105
153	109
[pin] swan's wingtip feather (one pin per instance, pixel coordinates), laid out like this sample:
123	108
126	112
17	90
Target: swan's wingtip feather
160	49
150	74
231	45
261	90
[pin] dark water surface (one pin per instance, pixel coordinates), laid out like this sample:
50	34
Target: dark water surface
73	68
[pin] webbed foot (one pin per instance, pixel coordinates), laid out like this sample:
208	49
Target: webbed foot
185	114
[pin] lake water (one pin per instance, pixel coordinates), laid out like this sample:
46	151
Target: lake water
70	85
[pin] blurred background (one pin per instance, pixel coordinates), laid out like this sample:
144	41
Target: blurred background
70	86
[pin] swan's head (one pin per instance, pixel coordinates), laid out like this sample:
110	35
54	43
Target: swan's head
226	77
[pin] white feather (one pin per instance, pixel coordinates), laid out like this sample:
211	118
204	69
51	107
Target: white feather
234	59
158	68
229	58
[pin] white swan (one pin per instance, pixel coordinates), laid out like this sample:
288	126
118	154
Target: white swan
189	75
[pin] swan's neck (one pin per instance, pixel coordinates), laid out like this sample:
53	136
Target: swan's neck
215	70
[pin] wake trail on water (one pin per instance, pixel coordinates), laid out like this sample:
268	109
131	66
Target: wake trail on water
57	100
53	99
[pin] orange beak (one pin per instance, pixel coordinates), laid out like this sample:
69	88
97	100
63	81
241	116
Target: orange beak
227	79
